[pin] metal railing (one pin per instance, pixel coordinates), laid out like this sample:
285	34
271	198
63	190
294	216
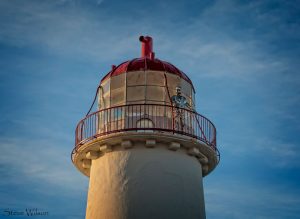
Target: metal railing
145	118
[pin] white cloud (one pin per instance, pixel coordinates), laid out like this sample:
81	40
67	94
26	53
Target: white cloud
40	160
65	31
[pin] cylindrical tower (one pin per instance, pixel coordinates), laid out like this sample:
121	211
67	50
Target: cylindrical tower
146	149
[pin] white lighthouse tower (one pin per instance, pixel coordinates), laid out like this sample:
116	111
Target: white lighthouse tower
146	149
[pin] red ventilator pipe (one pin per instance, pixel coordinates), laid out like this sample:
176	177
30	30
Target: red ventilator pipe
147	49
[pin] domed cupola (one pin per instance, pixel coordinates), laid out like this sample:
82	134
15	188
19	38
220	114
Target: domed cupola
144	80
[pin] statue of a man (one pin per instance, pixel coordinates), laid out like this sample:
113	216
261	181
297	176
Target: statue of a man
178	100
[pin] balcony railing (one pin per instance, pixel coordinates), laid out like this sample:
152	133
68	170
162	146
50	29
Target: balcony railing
145	118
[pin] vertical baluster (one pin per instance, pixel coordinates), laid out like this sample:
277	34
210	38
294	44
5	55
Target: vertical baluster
206	131
84	129
117	118
190	123
105	118
155	117
145	113
206	127
87	128
109	120
81	130
130	110
185	121
127	116
134	109
97	123
203	128
197	127
92	126
101	122
152	118
130	114
164	116
140	114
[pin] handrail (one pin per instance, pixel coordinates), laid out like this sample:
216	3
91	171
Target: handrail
145	118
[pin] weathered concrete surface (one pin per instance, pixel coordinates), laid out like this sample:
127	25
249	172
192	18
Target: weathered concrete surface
145	183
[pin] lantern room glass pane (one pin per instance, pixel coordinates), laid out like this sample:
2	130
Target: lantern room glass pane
135	93
172	92
155	93
104	94
155	78
135	78
105	86
117	81
173	81
186	88
168	102
118	96
106	101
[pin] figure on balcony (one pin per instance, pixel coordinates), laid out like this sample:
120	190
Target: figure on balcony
178	100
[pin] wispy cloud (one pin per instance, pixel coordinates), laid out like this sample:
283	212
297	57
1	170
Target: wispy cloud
64	31
40	160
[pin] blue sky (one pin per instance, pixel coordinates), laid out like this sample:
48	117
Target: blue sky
242	56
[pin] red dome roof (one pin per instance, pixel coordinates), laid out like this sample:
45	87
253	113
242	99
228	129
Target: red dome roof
144	63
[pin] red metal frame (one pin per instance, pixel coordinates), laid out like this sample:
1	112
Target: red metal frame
125	117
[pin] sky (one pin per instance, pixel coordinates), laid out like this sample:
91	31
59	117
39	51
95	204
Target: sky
242	56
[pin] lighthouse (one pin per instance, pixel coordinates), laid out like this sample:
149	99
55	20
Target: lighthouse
145	149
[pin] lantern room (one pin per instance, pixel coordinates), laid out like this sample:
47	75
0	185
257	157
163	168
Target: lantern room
144	80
